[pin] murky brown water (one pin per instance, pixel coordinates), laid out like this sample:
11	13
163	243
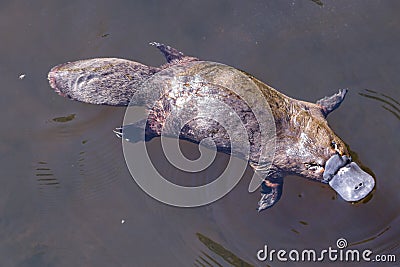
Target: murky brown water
65	187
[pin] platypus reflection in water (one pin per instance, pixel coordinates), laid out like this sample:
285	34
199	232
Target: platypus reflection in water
304	144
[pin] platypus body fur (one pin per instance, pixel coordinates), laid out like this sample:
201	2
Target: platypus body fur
305	145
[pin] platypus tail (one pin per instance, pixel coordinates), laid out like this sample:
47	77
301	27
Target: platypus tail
101	81
107	81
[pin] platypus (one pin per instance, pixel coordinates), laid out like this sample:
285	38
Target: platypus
304	143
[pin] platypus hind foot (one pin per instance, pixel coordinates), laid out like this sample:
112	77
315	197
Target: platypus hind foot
172	55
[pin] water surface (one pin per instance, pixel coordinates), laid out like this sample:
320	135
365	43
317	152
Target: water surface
65	187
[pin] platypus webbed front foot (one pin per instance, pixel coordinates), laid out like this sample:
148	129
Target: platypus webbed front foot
330	103
270	193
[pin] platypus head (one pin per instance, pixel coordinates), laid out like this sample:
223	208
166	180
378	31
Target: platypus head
312	150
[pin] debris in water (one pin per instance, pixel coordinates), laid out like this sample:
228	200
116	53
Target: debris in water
65	118
318	2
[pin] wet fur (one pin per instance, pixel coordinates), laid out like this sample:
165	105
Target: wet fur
304	138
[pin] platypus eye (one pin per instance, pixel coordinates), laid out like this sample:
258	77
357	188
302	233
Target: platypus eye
334	145
314	167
